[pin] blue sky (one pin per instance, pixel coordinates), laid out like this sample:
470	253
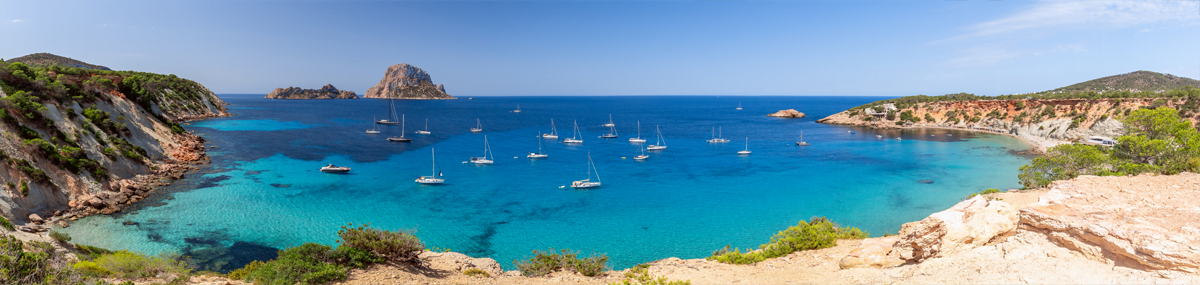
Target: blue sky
479	48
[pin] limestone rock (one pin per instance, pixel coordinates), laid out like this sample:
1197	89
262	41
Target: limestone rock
968	224
404	81
789	114
873	253
326	92
35	218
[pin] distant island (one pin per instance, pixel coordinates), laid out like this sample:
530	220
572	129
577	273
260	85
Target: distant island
404	81
326	92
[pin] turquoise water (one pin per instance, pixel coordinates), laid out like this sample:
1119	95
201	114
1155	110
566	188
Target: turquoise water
263	190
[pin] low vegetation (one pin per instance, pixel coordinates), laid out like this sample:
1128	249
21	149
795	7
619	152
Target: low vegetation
6	224
640	275
817	233
129	265
546	262
476	272
313	263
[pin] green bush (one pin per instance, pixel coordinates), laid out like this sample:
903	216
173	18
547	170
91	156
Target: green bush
61	237
6	224
394	245
24	188
304	264
354	257
240	273
640	275
817	233
476	272
129	265
984	192
546	262
87	252
18	266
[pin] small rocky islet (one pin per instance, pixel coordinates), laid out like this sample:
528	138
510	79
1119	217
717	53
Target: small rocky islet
326	92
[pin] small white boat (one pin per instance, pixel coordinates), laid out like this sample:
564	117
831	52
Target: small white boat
478	127
643	156
553	135
747	150
612	133
639	138
518	110
898	138
433	178
335	169
716	137
574	136
540	154
391	120
879	136
487	154
401	138
661	145
610	123
374	127
587	183
739	106
426	130
801	142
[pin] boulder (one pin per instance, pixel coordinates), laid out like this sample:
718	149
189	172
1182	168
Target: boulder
789	114
487	265
404	81
968	224
873	253
36	219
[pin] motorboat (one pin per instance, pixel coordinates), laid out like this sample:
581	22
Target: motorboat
335	169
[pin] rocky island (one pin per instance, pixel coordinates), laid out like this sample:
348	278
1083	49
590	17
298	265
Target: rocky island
788	114
326	92
404	81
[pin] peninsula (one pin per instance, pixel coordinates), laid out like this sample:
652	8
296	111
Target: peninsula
326	92
404	81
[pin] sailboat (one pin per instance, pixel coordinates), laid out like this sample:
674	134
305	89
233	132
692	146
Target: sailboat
612	133
801	142
587	183
639	138
747	150
643	156
391	120
433	178
540	153
518	110
401	138
717	138
661	145
574	136
553	135
610	123
739	106
487	154
478	127
426	130
374	129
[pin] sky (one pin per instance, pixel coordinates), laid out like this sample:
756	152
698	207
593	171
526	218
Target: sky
481	48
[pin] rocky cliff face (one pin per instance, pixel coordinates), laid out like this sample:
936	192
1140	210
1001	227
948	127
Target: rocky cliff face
403	81
1058	119
326	92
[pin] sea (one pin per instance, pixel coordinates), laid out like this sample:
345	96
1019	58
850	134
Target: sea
263	190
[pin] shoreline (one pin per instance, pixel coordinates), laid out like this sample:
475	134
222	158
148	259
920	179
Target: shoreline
1038	145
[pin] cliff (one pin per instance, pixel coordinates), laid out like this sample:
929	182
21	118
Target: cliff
83	141
326	92
403	81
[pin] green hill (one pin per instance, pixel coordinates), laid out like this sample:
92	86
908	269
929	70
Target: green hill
48	59
1140	80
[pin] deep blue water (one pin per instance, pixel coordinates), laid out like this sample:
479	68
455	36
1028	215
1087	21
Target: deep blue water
263	191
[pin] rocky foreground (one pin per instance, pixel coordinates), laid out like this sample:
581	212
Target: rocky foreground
326	92
1142	229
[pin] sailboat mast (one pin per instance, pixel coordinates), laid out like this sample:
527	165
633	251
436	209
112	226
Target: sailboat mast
402	125
433	154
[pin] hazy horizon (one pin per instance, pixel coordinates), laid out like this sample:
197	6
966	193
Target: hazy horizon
677	48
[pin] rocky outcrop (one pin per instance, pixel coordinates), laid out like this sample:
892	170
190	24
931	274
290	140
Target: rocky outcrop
968	224
404	81
326	92
789	114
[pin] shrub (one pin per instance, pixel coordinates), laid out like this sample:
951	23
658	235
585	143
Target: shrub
24	188
640	275
240	273
393	245
929	118
354	257
305	264
984	192
18	266
87	252
546	262
476	272
6	224
817	233
61	237
129	265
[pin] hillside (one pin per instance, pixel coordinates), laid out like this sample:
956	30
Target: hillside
86	141
1136	81
47	59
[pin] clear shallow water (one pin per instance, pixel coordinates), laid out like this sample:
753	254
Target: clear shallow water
263	190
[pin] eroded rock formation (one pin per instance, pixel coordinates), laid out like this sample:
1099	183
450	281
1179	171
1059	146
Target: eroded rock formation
789	114
404	81
326	92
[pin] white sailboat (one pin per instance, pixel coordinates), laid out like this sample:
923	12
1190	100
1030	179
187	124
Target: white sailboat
801	142
747	150
587	183
487	154
426	130
661	145
716	137
643	156
391	120
540	154
553	135
739	106
478	127
639	138
574	136
612	133
374	127
518	110
401	138
433	178
610	123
